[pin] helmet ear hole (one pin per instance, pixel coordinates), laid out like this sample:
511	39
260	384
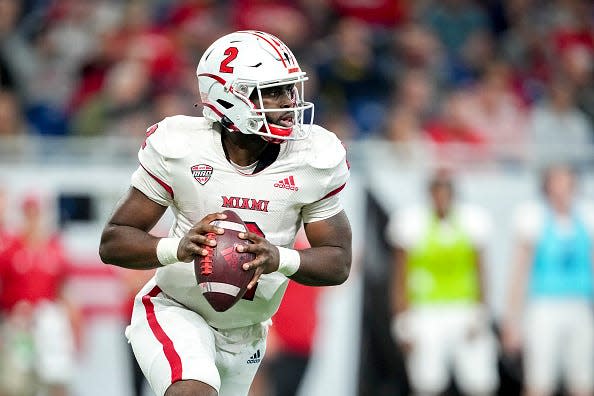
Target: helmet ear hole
224	103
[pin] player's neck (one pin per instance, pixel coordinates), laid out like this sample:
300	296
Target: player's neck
242	149
561	207
33	234
442	212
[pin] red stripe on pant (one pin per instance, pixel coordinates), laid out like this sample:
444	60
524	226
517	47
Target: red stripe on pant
168	349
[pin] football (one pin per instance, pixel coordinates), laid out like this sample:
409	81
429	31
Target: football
220	275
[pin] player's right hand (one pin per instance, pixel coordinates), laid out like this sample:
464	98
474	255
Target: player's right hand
197	238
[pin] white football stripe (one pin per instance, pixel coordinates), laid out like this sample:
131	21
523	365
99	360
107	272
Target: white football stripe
229	225
218	287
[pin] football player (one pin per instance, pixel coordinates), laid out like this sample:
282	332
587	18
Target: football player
256	151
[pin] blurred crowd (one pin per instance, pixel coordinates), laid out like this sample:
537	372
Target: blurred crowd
496	76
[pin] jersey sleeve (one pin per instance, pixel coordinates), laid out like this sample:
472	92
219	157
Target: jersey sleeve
152	176
586	212
405	227
477	224
321	210
331	170
393	232
527	220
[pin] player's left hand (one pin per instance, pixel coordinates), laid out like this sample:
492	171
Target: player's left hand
267	256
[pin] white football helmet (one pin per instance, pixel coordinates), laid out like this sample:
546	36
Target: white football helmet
241	63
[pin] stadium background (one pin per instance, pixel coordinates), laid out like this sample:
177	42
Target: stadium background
475	86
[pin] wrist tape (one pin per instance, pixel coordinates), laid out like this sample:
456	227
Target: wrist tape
167	250
289	261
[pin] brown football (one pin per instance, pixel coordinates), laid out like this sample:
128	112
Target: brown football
220	275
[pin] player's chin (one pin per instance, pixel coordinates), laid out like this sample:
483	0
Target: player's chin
281	122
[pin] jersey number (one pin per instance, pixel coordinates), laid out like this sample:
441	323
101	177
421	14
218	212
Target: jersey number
231	53
254	228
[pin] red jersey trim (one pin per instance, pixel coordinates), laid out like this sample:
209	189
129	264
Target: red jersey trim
171	354
166	186
334	192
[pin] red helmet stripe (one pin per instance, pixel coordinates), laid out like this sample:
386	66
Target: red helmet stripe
271	44
222	81
213	76
217	112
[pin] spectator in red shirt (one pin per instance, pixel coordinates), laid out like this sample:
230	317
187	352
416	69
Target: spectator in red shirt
455	140
32	273
33	267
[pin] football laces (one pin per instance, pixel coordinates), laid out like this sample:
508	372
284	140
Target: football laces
206	263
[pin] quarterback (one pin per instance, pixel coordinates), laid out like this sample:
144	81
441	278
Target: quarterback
255	151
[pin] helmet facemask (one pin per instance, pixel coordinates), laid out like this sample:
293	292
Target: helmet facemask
259	121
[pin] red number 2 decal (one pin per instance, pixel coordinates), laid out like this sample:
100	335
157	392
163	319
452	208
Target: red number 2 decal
231	53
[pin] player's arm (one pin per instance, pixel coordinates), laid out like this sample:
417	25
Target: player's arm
518	283
482	276
326	263
519	279
398	281
526	226
126	241
400	323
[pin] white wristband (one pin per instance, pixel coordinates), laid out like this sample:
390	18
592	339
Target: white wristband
289	261
167	250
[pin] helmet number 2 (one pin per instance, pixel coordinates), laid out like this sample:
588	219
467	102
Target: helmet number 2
231	53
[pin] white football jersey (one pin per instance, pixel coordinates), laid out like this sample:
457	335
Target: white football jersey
183	166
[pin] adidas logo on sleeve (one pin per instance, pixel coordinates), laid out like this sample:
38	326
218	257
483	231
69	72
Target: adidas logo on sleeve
255	358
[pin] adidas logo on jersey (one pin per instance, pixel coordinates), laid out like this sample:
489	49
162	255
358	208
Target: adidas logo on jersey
255	358
288	183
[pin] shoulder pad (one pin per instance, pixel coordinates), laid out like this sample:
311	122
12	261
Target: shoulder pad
173	136
326	150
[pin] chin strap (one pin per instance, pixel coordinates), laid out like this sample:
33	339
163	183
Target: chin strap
227	123
276	130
